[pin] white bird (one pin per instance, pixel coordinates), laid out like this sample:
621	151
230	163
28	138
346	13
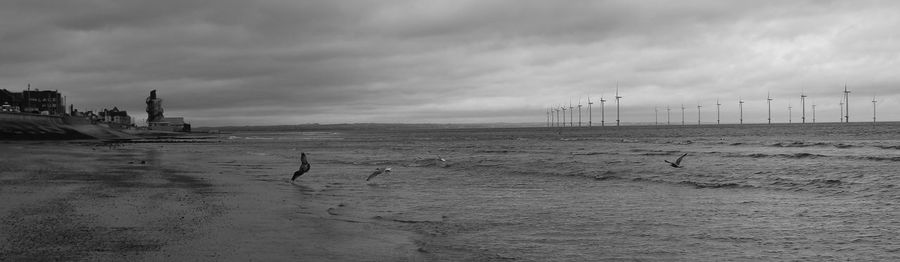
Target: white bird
677	161
378	171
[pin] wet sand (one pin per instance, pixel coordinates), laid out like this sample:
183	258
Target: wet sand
87	201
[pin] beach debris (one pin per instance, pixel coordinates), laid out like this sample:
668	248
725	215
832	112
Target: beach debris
304	166
677	163
378	171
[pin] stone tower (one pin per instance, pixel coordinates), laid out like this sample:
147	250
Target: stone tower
154	108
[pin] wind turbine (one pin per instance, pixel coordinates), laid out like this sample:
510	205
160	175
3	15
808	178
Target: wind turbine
769	101
656	116
718	116
571	114
803	106
602	112
842	109
789	113
682	114
554	121
741	106
698	113
564	115
548	117
814	112
668	115
590	115
557	116
873	110
617	103
847	102
579	112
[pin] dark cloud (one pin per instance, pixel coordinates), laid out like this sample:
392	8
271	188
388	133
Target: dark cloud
283	62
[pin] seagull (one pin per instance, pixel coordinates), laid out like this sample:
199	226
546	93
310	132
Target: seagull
677	161
379	171
304	167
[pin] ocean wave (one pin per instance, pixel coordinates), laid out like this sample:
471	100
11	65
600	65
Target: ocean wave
607	175
713	184
592	153
817	184
798	144
801	155
825	182
794	156
697	184
878	158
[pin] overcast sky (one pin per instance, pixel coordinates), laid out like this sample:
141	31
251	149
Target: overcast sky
247	62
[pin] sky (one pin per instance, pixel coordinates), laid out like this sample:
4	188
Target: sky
253	62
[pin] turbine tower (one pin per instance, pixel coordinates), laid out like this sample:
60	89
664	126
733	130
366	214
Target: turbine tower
571	114
718	116
602	112
847	103
553	116
841	120
814	112
548	117
698	114
564	116
789	113
579	112
590	114
873	110
617	103
557	116
682	114
769	101
741	106
656	116
803	107
668	115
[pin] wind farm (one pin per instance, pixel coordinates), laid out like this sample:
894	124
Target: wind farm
723	115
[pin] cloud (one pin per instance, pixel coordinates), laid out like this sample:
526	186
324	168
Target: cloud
284	62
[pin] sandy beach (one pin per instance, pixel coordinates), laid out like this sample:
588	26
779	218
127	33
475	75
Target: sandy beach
94	202
745	193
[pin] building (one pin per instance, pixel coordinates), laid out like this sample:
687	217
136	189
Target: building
116	118
156	120
32	101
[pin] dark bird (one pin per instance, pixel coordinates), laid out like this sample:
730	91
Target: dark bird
304	167
677	161
378	171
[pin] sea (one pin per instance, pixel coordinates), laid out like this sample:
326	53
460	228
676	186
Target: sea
754	192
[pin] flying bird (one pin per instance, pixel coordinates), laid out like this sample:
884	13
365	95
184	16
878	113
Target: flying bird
677	161
378	171
304	167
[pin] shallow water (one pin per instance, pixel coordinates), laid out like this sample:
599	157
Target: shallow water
753	192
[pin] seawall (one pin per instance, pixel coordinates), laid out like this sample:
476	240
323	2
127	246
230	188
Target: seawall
19	126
